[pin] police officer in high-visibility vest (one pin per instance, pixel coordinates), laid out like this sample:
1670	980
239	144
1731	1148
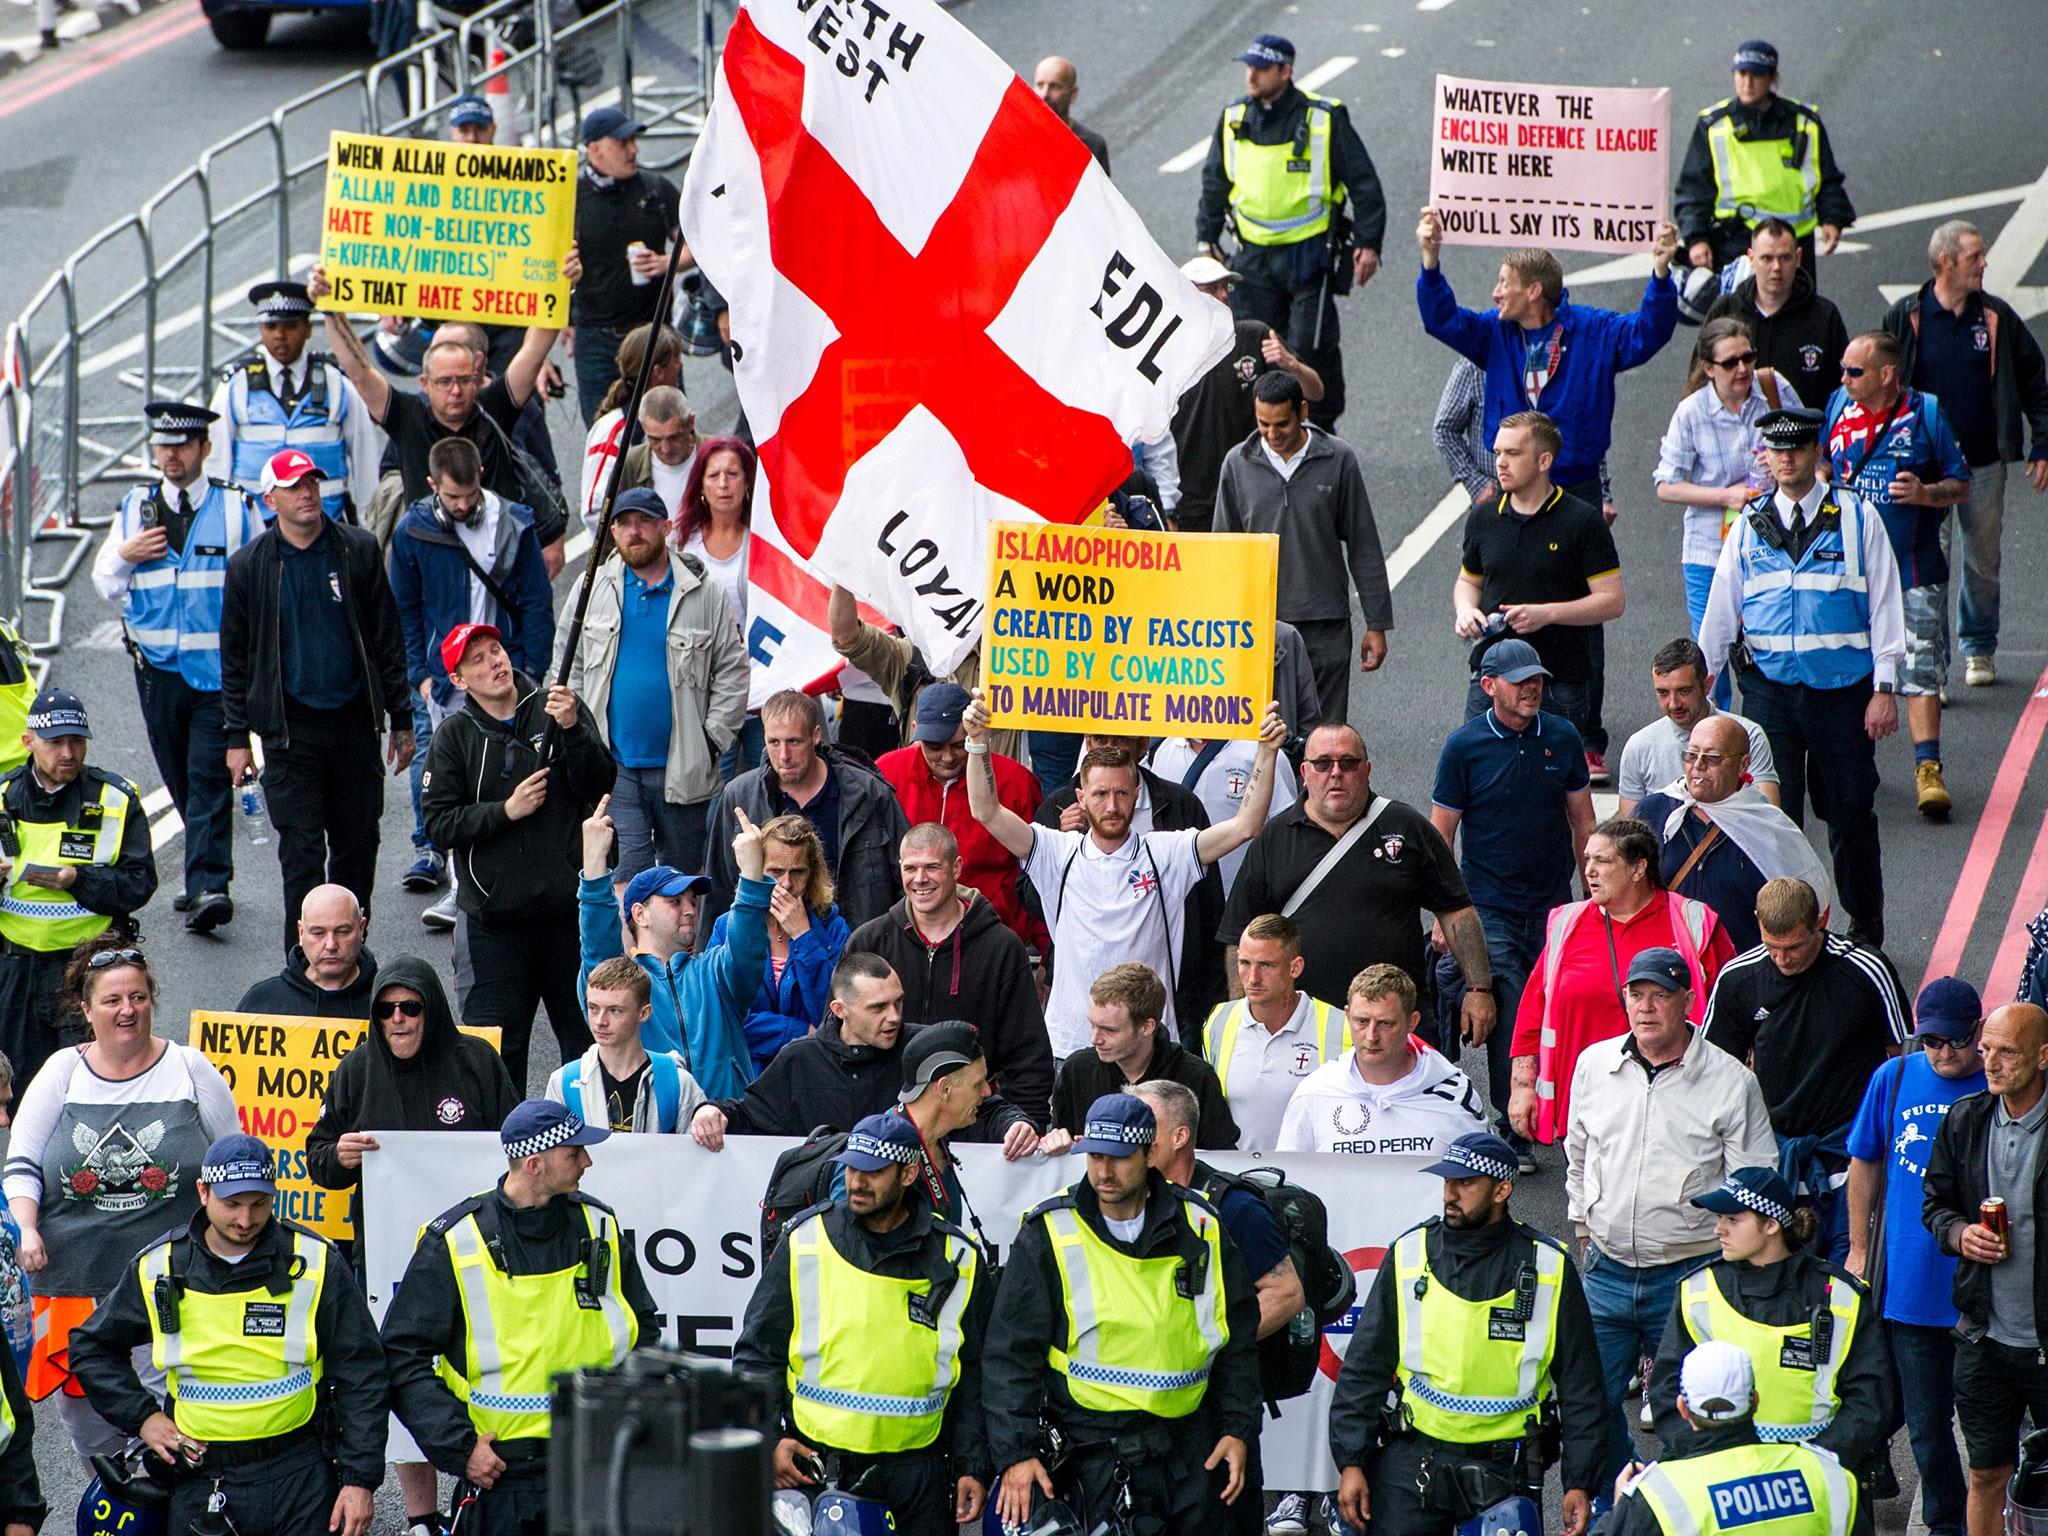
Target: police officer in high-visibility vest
75	859
282	396
1823	1372
1290	174
1479	1323
1731	1479
866	1325
1755	156
1125	1321
266	1387
504	1291
164	561
1806	608
1272	1036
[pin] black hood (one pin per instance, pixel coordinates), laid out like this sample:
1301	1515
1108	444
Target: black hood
1801	295
439	1035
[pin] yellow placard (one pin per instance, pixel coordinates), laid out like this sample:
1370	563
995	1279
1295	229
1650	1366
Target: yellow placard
448	231
1130	633
279	1066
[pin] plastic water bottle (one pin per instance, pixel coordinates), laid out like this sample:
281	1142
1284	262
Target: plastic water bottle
255	812
1302	1326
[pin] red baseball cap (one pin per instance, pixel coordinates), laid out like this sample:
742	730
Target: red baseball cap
458	640
287	467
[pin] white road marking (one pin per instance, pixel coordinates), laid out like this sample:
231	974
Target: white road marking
1431	5
1392	53
2011	257
1423	536
1321	75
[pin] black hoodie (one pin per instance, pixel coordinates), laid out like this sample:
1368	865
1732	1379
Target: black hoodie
290	993
1804	341
980	973
513	871
454	1082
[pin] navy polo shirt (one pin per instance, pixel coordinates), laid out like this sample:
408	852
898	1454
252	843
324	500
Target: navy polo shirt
1509	791
1954	366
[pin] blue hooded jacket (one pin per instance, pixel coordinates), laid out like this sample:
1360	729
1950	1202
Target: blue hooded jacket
1597	344
791	1008
430	581
700	1001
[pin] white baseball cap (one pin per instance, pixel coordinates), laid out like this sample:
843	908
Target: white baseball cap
1717	1381
1205	269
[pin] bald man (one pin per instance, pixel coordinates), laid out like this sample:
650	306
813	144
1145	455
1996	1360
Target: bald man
1722	839
329	974
1058	83
1990	1147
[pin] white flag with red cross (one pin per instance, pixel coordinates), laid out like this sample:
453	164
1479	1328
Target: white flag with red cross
942	311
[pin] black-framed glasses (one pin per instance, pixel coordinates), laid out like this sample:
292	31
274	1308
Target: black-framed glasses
107	959
1739	360
1350	763
411	1007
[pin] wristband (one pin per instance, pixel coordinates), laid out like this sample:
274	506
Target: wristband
978	748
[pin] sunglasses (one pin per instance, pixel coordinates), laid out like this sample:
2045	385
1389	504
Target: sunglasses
1335	764
107	959
1693	759
1852	373
1739	360
407	1006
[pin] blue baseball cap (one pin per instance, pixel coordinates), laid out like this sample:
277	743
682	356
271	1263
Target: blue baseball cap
1750	1189
662	880
1118	1124
640	502
1512	661
1949	1007
879	1142
57	713
469	110
1660	967
239	1164
610	123
1476	1155
1756	57
1267	48
940	708
541	1125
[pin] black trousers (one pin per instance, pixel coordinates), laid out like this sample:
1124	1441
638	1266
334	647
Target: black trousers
29	1028
1282	285
291	1494
1172	1494
1332	660
503	973
190	748
1397	1503
914	1485
1594	732
1817	736
516	1506
326	792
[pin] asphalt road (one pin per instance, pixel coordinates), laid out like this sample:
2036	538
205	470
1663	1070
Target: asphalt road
1893	82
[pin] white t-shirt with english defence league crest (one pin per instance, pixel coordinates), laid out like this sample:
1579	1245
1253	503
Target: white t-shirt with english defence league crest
1336	1110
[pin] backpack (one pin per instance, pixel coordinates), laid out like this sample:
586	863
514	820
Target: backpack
801	1178
533	489
1288	1359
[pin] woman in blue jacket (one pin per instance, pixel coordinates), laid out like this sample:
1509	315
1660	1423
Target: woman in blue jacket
806	935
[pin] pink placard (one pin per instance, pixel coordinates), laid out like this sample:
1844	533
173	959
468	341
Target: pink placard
1584	168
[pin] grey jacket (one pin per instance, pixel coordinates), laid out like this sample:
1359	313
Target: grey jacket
707	671
871	823
1325	524
1294	684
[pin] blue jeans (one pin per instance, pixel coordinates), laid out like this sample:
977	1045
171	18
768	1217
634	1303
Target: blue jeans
1630	1308
1699	581
597	364
744	754
651	830
1981	519
1924	1370
422	733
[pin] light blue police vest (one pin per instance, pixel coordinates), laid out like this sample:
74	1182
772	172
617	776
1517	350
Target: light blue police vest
262	427
173	609
1807	621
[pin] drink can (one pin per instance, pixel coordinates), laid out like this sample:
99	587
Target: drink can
1993	1215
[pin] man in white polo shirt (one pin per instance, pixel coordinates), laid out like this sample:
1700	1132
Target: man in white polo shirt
1391	1094
1264	1044
1111	895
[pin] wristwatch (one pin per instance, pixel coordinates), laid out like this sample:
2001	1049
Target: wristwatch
1887	688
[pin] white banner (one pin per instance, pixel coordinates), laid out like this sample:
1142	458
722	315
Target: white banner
943	312
694	1221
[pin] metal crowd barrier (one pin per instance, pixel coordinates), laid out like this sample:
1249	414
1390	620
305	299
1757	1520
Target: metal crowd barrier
155	304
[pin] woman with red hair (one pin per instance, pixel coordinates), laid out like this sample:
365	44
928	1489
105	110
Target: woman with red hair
712	524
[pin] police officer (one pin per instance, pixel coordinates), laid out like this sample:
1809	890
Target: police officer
1732	1478
1806	607
1282	166
163	561
472	1353
1479	1321
1756	156
870	1315
75	858
1126	1321
268	1353
282	396
1823	1374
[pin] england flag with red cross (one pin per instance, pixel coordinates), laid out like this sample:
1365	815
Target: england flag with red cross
942	311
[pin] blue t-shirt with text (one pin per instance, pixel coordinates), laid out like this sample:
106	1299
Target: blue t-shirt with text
1915	440
1918	1275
